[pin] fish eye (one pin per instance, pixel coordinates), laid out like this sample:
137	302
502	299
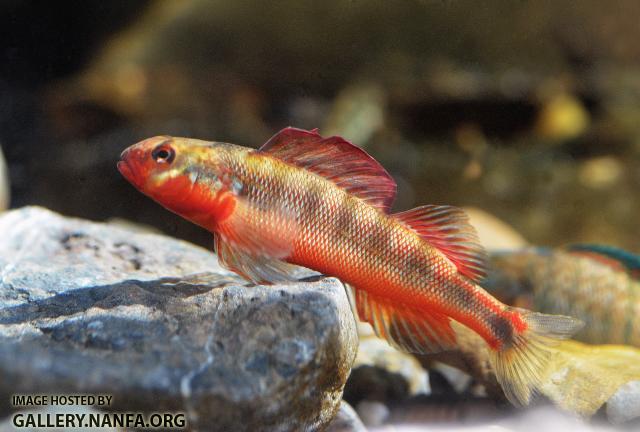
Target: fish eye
163	154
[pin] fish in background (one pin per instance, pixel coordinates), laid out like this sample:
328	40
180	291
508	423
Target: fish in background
323	203
598	284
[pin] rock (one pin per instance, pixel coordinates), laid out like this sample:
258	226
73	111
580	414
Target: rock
20	423
452	409
378	353
346	420
624	405
380	372
547	418
373	413
459	380
133	226
494	234
155	322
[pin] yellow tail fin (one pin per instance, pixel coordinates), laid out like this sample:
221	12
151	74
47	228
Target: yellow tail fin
519	365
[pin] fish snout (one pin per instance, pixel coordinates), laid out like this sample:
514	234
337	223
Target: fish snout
134	162
125	153
129	166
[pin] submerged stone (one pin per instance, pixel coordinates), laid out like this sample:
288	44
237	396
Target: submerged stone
159	325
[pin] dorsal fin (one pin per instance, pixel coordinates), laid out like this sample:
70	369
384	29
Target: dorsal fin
448	229
403	327
610	255
337	160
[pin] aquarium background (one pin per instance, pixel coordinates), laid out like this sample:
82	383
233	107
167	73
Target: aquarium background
527	110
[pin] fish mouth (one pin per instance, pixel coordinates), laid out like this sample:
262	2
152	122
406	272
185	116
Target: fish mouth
127	172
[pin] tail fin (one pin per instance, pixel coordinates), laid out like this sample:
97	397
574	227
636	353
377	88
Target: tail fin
519	365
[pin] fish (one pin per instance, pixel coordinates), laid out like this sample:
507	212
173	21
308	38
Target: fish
598	284
302	200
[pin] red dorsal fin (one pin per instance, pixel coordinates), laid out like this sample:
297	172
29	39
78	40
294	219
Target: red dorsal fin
403	327
337	160
448	229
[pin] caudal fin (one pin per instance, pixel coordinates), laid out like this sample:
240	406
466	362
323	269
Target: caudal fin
519	365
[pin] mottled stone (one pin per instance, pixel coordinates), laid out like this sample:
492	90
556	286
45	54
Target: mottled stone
382	373
155	322
457	379
373	413
624	405
346	420
494	234
21	423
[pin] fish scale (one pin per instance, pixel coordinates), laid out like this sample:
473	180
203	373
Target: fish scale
323	203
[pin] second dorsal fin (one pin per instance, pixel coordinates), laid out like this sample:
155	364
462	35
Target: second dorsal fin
337	160
448	229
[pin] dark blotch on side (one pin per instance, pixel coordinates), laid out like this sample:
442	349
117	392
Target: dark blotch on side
312	200
414	264
344	217
501	328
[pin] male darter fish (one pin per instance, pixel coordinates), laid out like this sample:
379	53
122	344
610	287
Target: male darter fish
324	204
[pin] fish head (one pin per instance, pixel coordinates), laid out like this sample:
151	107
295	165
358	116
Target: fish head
187	176
146	160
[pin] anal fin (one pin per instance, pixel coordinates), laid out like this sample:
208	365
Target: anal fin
404	327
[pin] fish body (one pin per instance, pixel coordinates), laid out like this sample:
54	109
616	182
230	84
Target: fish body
323	203
598	284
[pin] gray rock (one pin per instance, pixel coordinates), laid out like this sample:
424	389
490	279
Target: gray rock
382	373
20	425
459	380
155	322
373	413
624	405
346	420
546	418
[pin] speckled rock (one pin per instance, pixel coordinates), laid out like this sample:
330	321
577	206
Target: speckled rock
373	413
494	234
155	322
346	420
382	373
11	425
624	405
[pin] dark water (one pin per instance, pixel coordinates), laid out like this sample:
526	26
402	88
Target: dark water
527	110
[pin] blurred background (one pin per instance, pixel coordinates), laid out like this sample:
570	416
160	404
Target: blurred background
528	110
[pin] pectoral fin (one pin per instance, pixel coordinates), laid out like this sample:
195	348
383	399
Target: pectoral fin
259	269
255	242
